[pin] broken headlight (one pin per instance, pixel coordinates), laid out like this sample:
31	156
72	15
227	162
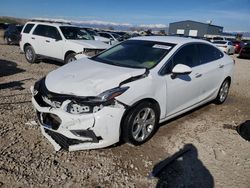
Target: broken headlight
90	52
94	104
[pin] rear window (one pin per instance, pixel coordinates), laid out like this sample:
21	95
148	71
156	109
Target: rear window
28	27
208	53
218	38
219	42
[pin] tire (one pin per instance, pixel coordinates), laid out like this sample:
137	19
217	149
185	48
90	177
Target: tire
223	92
69	58
30	54
140	123
6	40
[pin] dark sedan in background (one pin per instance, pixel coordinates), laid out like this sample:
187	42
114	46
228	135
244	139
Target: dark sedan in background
245	51
237	46
12	34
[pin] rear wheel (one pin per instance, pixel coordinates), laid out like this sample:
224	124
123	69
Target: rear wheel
30	54
69	58
223	92
140	123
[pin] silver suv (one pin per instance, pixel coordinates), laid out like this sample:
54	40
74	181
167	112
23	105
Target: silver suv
58	41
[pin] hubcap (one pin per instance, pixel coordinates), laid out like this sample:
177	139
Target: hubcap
29	54
71	59
224	91
143	124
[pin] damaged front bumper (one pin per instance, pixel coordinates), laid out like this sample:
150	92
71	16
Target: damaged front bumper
79	131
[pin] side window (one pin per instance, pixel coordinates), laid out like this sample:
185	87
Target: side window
53	33
208	53
40	30
47	31
105	35
28	27
187	55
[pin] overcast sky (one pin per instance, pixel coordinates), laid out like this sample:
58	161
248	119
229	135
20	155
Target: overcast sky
233	15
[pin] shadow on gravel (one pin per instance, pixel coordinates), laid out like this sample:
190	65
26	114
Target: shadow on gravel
191	112
52	62
183	169
8	68
14	85
244	130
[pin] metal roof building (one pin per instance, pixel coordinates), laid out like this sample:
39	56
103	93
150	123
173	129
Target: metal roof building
194	29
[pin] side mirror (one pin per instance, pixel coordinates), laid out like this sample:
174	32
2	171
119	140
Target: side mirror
181	69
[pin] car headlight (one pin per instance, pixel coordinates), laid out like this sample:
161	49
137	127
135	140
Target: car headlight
94	104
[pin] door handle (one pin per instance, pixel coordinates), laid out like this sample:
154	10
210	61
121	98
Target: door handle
221	66
47	41
198	75
33	38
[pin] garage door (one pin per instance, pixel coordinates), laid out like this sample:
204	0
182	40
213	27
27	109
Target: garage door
180	31
193	33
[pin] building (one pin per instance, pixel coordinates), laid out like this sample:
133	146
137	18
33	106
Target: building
194	29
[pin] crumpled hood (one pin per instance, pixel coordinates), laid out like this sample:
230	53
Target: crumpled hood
86	77
94	44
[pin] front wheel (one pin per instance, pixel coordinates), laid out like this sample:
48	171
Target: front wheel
223	92
71	57
140	123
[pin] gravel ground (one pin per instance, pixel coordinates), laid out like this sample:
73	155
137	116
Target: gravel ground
216	157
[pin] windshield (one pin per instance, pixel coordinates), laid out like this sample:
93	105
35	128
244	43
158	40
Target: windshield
92	32
135	54
75	33
116	35
220	42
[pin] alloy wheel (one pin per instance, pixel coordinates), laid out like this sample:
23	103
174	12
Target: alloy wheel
143	124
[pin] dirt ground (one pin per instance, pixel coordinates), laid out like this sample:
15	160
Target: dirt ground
216	157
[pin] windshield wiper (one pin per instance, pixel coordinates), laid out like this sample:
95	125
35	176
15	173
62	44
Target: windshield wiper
133	78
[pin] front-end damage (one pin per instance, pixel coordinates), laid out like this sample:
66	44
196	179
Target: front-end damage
88	52
76	123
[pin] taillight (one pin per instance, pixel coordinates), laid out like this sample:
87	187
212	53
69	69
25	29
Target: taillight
237	45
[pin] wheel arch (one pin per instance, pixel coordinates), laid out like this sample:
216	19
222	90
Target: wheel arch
68	52
151	100
229	79
25	45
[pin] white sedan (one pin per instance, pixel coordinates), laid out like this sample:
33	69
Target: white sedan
225	45
127	90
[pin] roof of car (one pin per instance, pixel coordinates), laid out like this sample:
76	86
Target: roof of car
169	39
221	41
50	23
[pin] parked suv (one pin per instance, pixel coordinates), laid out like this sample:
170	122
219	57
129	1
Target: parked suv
59	41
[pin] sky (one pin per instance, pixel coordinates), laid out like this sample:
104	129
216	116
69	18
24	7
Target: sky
233	15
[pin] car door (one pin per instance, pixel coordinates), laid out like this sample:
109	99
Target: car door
212	69
53	44
183	90
38	38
